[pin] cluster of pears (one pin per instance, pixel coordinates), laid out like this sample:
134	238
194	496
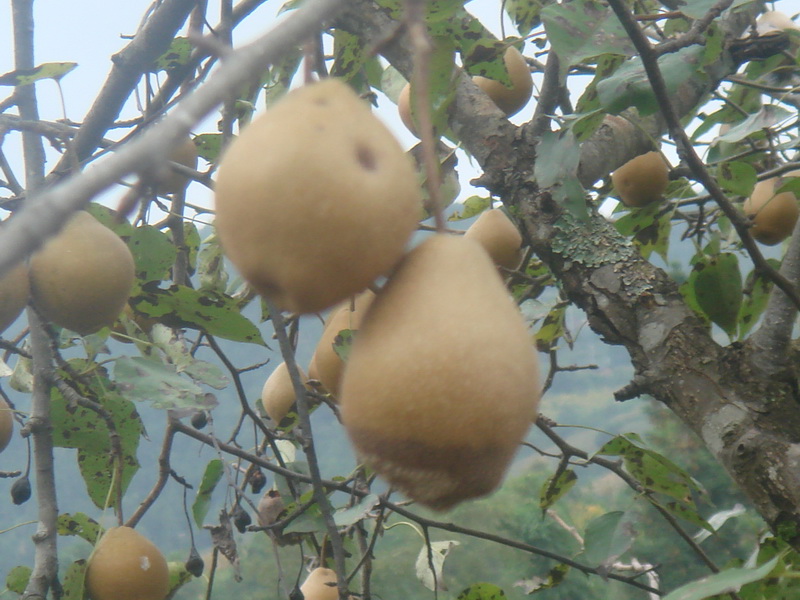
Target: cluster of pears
80	279
510	99
642	180
773	215
315	200
125	565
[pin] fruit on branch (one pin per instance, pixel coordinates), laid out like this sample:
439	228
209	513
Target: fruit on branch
509	99
173	182
499	237
321	584
277	395
774	20
442	381
315	199
6	424
82	277
773	215
328	365
641	180
125	565
14	293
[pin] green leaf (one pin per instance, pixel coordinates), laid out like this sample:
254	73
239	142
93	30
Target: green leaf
209	146
177	55
687	512
342	343
629	85
729	580
180	356
525	14
440	85
583	29
697	9
212	476
17	579
652	470
178	576
73	582
607	538
211	266
558	155
737	177
153	253
80	525
649	227
552	328
84	429
349	55
180	306
145	380
717	287
53	70
352	515
556	487
757	288
482	591
474	205
555	577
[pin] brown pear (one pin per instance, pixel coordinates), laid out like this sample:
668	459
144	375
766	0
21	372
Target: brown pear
328	365
499	237
641	180
404	109
14	294
321	584
442	383
173	182
277	395
315	199
774	215
125	565
509	99
6	424
81	278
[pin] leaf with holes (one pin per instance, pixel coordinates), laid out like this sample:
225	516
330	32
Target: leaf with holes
556	487
482	591
80	525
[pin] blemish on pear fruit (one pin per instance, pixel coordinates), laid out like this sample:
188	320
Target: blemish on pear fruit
442	381
315	199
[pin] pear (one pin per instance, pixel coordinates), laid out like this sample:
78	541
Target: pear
321	584
6	424
404	109
82	277
14	293
774	215
499	237
509	99
641	180
441	384
173	182
315	199
277	395
125	565
328	365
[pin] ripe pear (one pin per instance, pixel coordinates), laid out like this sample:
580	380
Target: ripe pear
641	180
774	20
125	565
173	182
509	99
328	365
277	395
14	293
404	109
315	199
82	277
6	424
774	215
321	584
442	381
499	237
